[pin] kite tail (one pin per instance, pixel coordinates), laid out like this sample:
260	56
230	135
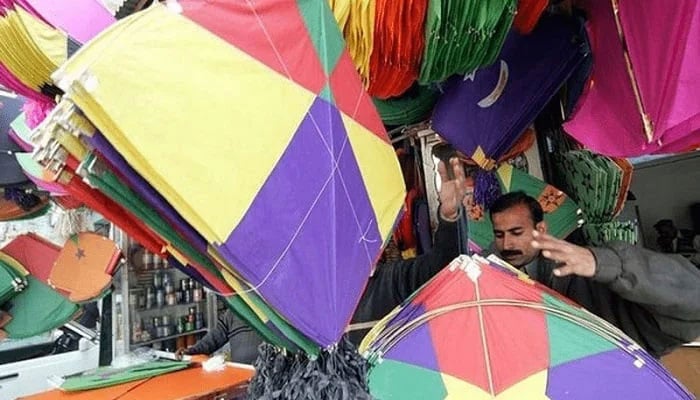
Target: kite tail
486	188
338	373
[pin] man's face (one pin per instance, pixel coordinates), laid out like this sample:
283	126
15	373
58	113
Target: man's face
667	231
513	230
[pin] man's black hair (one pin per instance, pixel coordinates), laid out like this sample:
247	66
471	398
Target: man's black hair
512	199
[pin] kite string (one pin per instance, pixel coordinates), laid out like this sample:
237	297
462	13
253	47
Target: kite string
328	148
293	238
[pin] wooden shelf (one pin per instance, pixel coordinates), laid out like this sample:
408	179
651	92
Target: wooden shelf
177	335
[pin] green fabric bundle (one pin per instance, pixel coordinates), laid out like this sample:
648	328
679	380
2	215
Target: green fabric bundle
11	282
38	309
600	185
413	106
462	36
597	234
110	376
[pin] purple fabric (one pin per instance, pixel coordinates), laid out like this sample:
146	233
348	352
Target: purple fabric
612	375
665	56
486	188
424	231
471	113
146	192
81	19
417	348
314	258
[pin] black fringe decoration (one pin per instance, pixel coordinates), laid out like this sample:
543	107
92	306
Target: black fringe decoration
22	198
337	374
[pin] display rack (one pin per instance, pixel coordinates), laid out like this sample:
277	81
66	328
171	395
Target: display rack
156	305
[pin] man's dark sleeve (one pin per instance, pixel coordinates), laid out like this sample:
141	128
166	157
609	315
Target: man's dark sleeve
216	338
666	285
404	277
394	282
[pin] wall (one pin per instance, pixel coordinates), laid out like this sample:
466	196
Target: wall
665	189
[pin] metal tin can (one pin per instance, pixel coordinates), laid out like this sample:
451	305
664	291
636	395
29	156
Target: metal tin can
157	280
160	297
171	299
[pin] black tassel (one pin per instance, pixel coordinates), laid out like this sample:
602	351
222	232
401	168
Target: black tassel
486	188
337	374
19	196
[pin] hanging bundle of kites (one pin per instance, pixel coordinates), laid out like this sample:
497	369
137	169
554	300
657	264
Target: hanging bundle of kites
462	36
599	184
482	330
393	45
483	115
414	106
642	95
50	282
39	35
356	19
399	43
198	173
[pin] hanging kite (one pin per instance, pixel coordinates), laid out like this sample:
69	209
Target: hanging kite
642	95
482	115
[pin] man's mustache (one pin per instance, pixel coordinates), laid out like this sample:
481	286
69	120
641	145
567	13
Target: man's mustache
509	253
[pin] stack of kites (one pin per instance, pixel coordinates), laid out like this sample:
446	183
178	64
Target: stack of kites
599	184
397	51
561	213
642	95
36	36
414	106
49	282
247	205
483	115
462	36
110	376
39	35
482	330
395	45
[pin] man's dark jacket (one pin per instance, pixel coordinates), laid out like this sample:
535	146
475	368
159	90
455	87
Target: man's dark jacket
392	283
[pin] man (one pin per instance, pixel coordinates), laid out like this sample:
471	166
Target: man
673	240
394	282
652	297
243	340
